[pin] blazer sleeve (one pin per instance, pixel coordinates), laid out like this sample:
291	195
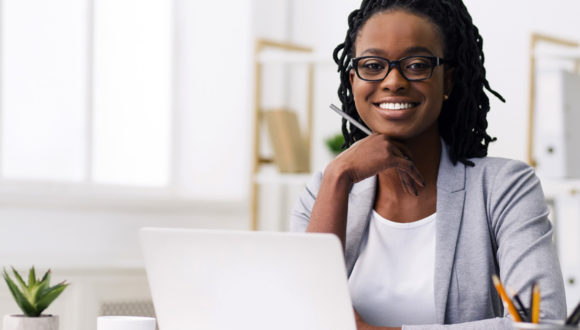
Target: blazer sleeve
524	238
300	216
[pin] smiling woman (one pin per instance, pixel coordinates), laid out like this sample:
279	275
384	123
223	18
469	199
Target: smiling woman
409	107
424	216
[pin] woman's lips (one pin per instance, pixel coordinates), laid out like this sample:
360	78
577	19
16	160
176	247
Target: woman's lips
396	105
396	110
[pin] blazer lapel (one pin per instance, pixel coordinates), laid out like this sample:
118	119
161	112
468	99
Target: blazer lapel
361	201
450	199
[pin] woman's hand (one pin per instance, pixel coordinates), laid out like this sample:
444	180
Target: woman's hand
375	154
367	157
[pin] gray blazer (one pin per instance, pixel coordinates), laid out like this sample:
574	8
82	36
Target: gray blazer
491	219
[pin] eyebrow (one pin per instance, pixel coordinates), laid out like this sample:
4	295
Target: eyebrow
408	51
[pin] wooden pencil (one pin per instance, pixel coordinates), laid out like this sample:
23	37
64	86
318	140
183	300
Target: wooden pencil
503	295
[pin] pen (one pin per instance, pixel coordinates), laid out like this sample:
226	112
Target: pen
503	295
574	318
536	303
350	119
520	305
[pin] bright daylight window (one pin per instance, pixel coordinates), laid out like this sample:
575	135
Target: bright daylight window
85	89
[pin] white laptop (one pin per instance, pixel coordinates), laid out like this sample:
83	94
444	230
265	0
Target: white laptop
242	280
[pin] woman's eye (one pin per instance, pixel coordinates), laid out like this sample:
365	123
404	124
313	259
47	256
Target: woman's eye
418	66
373	66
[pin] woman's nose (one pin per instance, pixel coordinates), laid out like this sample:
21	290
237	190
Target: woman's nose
394	81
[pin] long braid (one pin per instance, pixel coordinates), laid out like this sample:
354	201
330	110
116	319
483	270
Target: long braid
463	119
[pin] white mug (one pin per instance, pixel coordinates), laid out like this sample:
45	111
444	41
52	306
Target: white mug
125	323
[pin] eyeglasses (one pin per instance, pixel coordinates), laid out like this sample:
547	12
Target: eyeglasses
412	68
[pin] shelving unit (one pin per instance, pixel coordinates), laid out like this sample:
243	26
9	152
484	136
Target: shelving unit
287	53
554	165
535	40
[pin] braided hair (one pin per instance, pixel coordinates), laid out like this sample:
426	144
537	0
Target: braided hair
462	122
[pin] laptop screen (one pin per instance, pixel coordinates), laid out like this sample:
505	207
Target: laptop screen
213	279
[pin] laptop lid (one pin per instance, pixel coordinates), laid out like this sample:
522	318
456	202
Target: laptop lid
238	280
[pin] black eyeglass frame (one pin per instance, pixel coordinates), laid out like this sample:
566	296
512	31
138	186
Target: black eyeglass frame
435	62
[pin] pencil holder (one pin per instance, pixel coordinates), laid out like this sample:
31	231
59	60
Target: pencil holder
543	325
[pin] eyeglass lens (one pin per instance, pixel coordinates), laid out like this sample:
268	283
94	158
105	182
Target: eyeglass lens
412	68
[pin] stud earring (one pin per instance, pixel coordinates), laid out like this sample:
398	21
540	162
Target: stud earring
445	97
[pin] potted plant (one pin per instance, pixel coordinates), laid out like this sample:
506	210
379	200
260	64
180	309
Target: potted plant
32	298
335	143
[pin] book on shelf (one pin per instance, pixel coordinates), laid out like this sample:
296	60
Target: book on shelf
288	144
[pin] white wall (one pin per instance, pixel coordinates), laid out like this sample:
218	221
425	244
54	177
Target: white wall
213	88
98	234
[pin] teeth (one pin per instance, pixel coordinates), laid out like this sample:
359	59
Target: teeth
396	106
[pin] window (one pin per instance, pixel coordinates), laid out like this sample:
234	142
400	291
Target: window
86	91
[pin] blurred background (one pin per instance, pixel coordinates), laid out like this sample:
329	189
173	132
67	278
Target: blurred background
120	114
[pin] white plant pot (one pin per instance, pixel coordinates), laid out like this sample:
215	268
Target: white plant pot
21	322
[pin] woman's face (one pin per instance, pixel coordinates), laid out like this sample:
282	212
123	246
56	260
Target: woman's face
397	107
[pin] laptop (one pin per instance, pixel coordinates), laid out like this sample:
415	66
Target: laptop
242	280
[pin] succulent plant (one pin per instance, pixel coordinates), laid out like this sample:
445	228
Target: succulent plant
33	298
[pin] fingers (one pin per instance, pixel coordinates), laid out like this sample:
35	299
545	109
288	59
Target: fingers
407	165
405	183
408	184
377	153
404	151
408	172
415	175
409	175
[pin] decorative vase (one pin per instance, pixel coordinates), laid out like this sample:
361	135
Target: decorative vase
21	322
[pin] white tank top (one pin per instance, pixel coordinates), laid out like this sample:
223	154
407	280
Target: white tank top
392	280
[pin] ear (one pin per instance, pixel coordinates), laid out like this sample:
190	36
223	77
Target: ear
448	81
351	75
